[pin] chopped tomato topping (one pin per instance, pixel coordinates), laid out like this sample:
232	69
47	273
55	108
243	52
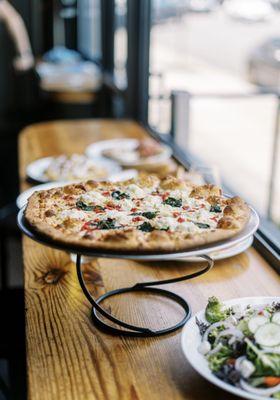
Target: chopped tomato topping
214	219
271	381
164	196
180	219
88	226
176	214
112	206
134	209
137	219
107	193
98	210
186	207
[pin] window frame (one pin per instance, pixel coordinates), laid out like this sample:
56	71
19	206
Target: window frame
135	95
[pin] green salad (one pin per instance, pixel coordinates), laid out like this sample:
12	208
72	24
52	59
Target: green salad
242	345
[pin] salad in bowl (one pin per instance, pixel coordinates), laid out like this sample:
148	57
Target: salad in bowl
240	344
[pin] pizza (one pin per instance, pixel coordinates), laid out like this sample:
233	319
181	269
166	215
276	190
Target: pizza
141	215
145	151
74	167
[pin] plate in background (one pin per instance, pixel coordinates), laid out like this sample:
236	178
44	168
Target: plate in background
233	251
97	149
36	169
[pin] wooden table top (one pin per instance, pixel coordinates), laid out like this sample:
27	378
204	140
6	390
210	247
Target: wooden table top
67	357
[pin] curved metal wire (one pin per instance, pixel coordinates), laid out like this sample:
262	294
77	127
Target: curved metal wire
143	286
96	306
210	263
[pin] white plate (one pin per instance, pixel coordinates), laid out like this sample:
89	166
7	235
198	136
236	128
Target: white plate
24	196
123	175
191	339
36	169
221	255
215	256
97	150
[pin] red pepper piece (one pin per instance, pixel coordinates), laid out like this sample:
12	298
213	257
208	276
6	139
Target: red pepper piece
137	219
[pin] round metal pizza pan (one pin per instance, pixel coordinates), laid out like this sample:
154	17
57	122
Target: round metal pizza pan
248	231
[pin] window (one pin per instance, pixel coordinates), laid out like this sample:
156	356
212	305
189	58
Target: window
120	43
224	55
89	29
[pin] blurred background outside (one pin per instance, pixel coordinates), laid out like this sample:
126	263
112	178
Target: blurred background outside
222	49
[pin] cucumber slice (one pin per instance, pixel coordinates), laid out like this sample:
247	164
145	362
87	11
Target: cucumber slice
268	335
274	349
276	318
255	322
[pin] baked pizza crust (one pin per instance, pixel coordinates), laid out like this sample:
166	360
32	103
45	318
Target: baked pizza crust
39	213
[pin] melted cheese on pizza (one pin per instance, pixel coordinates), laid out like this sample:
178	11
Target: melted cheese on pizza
146	209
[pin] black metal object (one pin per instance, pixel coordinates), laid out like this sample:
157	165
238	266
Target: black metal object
8	229
107	14
147	287
132	330
267	249
138	31
12	345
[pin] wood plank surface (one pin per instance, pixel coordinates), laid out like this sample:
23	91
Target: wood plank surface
67	357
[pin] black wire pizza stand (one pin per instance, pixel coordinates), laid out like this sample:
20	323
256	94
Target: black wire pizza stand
124	328
148	287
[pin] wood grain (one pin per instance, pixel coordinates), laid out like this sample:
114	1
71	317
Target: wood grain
67	357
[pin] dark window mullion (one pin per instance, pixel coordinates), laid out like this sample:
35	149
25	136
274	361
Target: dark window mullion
108	14
138	28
